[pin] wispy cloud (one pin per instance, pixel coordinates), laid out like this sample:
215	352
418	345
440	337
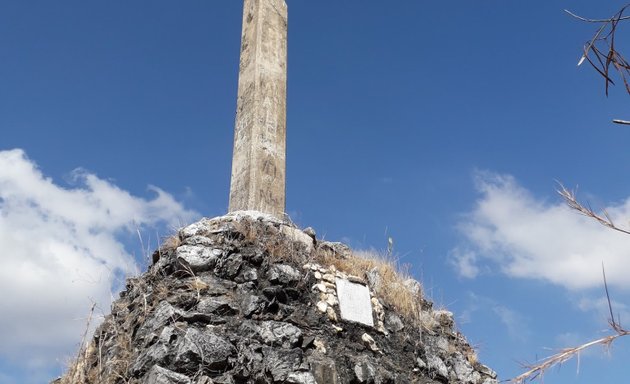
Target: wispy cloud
465	262
522	236
61	249
514	322
600	309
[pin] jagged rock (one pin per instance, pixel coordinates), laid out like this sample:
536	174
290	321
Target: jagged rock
241	299
437	365
157	353
324	369
220	305
202	227
311	233
275	332
248	274
463	370
159	375
284	274
229	267
205	348
215	286
280	363
197	258
301	378
251	304
199	240
364	371
164	314
335	248
393	322
374	278
298	238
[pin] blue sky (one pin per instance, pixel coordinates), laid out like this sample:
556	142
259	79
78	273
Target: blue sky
443	125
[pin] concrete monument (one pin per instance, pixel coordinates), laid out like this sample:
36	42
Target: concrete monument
258	163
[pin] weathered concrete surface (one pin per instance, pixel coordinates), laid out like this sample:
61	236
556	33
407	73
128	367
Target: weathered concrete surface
354	302
258	163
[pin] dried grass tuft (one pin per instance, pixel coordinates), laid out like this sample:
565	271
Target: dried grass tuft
392	287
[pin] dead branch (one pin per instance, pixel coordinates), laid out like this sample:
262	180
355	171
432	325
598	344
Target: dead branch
602	218
600	51
602	54
538	369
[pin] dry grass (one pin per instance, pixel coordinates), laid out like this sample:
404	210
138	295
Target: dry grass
538	369
603	218
76	368
391	287
170	243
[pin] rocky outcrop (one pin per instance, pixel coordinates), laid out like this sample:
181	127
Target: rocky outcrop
246	298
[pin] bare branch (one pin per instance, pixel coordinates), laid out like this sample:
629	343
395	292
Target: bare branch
600	51
538	369
603	218
593	20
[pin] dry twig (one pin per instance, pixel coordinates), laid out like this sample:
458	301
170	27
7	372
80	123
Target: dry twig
603	217
602	54
537	370
600	51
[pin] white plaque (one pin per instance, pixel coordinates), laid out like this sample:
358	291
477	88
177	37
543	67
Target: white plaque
354	302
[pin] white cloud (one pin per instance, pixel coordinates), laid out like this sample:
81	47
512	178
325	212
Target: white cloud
527	237
60	249
515	324
465	262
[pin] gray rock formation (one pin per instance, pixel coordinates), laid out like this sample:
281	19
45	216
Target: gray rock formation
245	298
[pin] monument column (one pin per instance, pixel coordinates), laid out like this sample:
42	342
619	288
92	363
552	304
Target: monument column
258	162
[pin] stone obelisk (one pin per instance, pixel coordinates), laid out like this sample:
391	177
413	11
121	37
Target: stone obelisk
258	163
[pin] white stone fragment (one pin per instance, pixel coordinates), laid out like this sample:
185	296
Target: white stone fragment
354	302
371	343
332	315
329	277
322	306
381	328
320	346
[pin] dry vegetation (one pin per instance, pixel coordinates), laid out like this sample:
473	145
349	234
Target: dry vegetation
392	287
